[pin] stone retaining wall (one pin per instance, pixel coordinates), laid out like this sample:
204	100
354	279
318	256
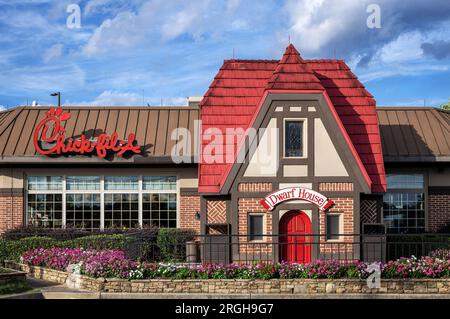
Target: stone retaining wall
13	276
243	286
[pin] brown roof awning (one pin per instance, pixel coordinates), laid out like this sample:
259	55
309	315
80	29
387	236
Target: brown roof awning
152	126
414	134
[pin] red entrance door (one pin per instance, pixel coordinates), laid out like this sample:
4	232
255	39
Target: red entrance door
295	245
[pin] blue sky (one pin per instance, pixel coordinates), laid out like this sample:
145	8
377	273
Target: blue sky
147	51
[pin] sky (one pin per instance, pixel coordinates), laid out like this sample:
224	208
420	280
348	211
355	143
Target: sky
158	52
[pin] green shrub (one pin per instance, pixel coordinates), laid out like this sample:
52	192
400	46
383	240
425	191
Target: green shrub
13	249
172	244
97	242
14	288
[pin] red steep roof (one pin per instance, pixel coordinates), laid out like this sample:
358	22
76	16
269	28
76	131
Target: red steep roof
233	98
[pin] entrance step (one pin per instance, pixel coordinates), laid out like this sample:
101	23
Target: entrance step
63	292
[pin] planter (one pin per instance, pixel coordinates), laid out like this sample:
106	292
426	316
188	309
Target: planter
243	286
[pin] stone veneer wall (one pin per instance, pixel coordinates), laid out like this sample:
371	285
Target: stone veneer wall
11	211
189	205
243	286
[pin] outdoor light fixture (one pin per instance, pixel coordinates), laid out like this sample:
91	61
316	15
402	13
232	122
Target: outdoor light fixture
58	94
197	215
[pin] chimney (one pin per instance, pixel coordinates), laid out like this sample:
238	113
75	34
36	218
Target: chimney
194	101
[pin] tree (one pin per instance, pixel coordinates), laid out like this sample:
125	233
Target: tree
446	106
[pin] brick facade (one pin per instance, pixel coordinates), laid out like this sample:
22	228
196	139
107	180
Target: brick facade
335	187
216	211
189	205
255	187
11	212
439	212
344	207
246	206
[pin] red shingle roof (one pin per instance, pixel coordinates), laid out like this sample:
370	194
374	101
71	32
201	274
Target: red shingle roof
238	89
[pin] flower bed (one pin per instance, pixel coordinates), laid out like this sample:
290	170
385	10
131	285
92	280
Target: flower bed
113	264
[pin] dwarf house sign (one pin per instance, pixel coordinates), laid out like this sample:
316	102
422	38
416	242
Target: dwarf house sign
51	132
296	193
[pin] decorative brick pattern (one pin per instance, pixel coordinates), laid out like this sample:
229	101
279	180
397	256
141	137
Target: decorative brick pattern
243	286
335	187
368	211
216	212
343	206
247	206
189	205
11	212
255	187
439	212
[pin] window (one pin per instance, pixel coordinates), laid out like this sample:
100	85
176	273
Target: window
159	201
83	211
44	201
256	227
44	183
333	224
45	210
84	183
160	210
121	183
123	201
293	138
159	183
404	203
412	181
121	210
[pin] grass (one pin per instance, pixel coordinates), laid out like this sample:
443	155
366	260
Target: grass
14	288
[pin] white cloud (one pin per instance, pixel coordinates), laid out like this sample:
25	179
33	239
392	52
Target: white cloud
158	21
417	69
42	79
316	23
54	52
406	47
184	21
117	98
24	20
93	5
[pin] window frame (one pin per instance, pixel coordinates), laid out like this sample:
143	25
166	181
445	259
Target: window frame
341	227
304	137
102	191
249	216
423	190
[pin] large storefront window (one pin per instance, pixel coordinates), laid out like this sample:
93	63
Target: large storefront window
95	202
45	201
404	203
159	201
122	210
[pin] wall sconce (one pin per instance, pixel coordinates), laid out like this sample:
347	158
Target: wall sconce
197	215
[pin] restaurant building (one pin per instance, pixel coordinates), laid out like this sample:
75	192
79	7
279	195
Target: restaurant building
274	147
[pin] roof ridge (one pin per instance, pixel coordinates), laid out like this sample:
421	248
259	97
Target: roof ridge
324	60
251	60
386	107
169	107
292	64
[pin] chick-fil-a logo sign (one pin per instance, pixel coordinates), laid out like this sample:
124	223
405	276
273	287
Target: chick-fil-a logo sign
296	193
51	132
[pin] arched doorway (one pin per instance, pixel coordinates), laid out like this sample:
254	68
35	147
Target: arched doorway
295	244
